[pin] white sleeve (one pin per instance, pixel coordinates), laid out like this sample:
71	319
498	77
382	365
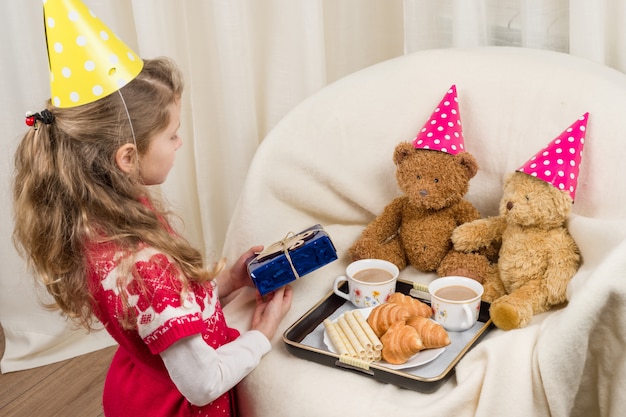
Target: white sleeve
202	373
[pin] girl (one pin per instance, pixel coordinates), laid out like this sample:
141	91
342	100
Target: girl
104	249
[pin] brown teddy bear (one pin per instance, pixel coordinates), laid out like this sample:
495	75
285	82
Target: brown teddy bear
433	172
538	257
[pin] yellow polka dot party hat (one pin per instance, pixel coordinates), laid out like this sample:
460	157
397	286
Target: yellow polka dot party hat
87	60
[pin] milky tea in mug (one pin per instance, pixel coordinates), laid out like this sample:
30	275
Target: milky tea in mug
455	302
373	275
370	282
456	293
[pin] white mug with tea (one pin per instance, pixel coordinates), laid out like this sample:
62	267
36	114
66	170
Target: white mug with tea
455	302
370	282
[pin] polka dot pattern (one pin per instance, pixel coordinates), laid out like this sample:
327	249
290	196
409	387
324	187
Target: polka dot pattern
559	162
443	131
87	60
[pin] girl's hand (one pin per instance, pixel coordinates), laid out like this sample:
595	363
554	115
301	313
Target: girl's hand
271	310
237	276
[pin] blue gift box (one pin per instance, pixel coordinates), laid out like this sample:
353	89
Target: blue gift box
291	258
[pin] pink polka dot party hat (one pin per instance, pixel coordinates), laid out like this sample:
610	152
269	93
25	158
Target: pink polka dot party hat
559	162
87	60
443	131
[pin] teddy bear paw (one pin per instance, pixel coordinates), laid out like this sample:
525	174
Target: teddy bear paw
471	265
369	249
508	314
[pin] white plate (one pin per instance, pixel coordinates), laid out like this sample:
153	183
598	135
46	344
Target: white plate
420	358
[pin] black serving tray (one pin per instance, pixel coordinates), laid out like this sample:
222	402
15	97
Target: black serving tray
304	339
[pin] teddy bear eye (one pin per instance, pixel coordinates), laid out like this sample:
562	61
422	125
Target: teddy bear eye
527	197
419	177
436	180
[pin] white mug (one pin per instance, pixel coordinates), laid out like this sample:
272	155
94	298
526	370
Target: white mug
370	282
455	302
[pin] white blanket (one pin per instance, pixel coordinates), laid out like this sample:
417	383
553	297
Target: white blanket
330	162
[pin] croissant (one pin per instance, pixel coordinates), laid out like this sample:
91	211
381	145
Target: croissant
413	305
384	315
433	335
400	342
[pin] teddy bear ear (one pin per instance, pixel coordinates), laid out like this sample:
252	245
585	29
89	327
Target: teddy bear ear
403	151
468	161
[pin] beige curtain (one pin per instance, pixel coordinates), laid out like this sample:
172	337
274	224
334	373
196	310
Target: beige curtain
247	63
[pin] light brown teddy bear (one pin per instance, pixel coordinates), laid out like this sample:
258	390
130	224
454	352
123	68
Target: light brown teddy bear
433	173
538	257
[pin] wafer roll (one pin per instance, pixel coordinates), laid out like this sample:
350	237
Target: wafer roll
343	324
375	341
335	337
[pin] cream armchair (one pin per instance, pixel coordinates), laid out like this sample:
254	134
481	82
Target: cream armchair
330	162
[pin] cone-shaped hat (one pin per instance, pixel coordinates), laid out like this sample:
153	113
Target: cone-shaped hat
87	60
443	131
559	162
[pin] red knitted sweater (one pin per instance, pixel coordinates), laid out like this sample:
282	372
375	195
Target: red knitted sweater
138	383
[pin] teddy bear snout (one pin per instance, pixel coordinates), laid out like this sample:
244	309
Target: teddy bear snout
509	205
423	193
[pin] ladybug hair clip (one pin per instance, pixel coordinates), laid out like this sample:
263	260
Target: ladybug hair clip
45	116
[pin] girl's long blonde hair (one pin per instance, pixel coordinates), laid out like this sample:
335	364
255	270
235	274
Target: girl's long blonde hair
68	190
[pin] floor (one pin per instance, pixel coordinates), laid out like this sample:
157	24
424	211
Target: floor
72	388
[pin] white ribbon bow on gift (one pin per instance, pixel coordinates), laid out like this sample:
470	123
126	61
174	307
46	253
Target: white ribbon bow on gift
290	242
